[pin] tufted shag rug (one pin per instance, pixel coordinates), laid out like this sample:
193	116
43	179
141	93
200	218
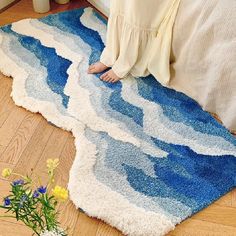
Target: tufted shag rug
147	157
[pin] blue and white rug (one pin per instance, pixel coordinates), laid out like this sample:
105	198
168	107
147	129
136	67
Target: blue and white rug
147	157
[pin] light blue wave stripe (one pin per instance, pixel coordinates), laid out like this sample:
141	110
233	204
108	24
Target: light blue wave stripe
36	85
182	109
110	171
90	36
184	130
101	93
56	74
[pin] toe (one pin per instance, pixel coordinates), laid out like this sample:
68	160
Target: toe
110	79
107	78
104	76
110	76
91	68
115	80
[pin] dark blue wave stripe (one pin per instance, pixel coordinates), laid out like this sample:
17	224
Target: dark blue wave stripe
209	177
68	22
185	154
116	152
56	66
180	108
103	101
185	176
71	23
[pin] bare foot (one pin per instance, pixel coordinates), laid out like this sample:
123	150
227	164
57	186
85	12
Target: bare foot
97	67
110	76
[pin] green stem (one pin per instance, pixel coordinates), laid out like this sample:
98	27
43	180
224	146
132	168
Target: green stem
33	214
29	225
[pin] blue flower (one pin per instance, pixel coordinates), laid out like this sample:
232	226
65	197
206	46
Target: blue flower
35	194
7	201
42	189
18	182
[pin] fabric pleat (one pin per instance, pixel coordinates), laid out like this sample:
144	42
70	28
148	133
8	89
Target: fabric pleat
139	37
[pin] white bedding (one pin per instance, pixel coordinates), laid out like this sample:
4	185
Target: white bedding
204	56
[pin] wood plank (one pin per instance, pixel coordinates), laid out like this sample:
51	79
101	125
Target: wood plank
106	230
6	107
24	9
68	213
68	216
234	198
66	160
218	214
10	229
31	155
225	200
53	149
21	138
10	126
5	86
33	160
192	227
6	102
86	226
4	191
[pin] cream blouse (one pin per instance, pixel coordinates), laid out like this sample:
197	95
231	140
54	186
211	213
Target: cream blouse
139	37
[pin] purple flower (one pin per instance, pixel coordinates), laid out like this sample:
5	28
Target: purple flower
18	182
35	194
42	189
7	201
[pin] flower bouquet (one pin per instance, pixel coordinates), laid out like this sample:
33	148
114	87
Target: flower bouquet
35	204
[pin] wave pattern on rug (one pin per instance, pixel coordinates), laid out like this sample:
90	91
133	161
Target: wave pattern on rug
147	157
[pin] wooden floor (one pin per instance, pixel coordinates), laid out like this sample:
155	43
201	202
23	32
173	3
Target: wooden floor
27	140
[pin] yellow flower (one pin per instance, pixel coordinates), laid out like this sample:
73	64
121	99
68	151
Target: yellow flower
6	172
60	193
52	164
